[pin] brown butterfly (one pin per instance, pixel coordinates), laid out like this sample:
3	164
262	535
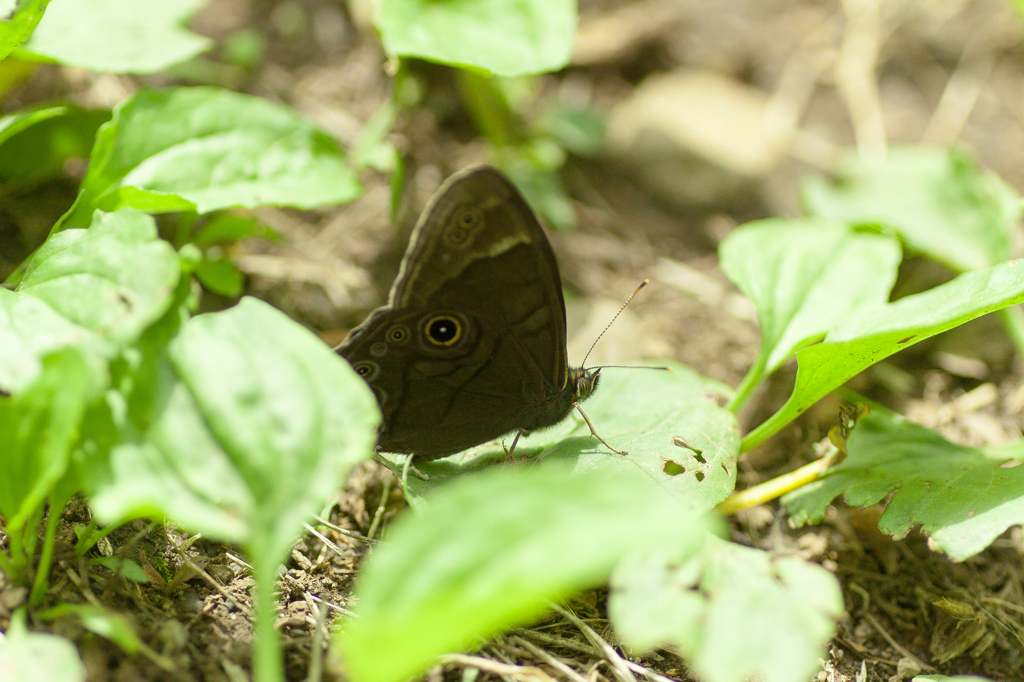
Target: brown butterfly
471	344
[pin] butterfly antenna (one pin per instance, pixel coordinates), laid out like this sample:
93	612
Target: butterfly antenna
607	326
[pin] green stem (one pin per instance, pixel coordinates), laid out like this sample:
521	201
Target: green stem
750	382
266	656
83	545
6	565
93	538
1013	322
46	558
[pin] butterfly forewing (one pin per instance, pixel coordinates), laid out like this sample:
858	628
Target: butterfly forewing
472	342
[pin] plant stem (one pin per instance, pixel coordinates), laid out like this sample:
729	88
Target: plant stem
266	654
41	581
83	545
95	537
750	382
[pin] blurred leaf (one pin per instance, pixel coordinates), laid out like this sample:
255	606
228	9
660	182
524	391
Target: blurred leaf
875	333
98	620
205	149
127	567
258	424
543	190
581	131
118	36
804	277
506	37
372	147
963	497
12	124
675	434
37	151
37	429
245	48
16	28
30	656
220	276
937	201
466	568
225	228
735	612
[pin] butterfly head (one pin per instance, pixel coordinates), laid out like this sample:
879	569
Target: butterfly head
583	382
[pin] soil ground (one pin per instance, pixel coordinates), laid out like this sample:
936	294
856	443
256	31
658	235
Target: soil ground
945	71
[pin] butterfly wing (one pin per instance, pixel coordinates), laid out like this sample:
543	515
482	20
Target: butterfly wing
472	342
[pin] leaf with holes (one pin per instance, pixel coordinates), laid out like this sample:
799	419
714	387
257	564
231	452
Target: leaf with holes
669	423
963	497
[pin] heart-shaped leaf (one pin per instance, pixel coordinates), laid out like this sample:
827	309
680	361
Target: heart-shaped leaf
258	424
804	277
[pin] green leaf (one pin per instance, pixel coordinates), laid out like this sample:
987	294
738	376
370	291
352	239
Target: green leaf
490	550
205	149
98	620
12	124
120	566
229	227
95	289
963	497
37	429
256	423
220	276
736	613
16	29
674	432
506	37
580	130
35	145
937	201
118	36
861	341
30	656
804	277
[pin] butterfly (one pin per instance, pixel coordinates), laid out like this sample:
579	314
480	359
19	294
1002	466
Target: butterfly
471	344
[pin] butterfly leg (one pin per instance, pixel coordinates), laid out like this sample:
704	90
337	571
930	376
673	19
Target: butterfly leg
508	451
593	432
